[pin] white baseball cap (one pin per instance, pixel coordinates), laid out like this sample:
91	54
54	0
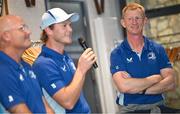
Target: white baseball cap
57	15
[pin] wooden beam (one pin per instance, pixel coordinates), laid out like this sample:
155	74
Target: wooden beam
99	7
28	3
33	2
157	12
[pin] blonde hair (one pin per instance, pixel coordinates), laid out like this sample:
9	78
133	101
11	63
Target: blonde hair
44	36
133	6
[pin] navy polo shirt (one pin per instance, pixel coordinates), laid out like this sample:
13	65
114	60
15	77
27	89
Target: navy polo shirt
152	59
55	71
18	84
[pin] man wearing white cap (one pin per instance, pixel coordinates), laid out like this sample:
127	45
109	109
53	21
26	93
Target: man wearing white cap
55	70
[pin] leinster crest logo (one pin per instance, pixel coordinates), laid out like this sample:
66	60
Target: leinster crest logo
151	56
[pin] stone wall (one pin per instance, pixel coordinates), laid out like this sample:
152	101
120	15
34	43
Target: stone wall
165	30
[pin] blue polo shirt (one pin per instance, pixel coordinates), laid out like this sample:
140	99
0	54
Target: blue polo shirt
152	59
56	71
18	84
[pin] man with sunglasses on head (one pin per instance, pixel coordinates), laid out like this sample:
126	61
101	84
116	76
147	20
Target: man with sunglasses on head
55	69
140	67
19	88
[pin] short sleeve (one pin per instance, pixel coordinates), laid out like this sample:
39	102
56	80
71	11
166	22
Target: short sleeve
163	59
48	75
10	91
117	62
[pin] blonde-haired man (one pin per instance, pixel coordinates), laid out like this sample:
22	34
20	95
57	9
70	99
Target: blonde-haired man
140	67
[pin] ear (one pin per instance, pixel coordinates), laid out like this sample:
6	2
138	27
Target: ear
145	20
5	36
122	23
48	31
5	39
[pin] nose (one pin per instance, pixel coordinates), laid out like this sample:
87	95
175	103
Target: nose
70	28
28	31
134	20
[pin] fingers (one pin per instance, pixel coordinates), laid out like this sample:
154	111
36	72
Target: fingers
87	59
126	75
89	55
87	51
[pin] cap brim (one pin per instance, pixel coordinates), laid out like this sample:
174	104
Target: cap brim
74	17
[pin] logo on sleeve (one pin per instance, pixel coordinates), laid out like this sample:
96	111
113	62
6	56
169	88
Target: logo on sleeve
53	85
117	67
169	63
151	56
10	98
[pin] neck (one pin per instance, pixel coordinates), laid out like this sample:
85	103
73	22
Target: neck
136	42
55	46
14	54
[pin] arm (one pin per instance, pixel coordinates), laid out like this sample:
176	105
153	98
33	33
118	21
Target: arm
8	86
168	82
69	95
127	84
20	108
49	110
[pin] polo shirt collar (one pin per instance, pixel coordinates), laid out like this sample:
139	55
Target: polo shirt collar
52	53
126	45
9	60
146	44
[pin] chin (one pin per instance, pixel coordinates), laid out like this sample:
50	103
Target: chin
28	44
135	32
68	43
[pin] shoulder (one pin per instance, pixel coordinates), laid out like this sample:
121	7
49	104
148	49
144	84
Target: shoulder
118	50
157	48
43	63
154	44
8	75
6	69
43	60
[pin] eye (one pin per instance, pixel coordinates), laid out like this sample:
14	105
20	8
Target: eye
24	27
130	18
137	18
64	25
70	24
67	24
